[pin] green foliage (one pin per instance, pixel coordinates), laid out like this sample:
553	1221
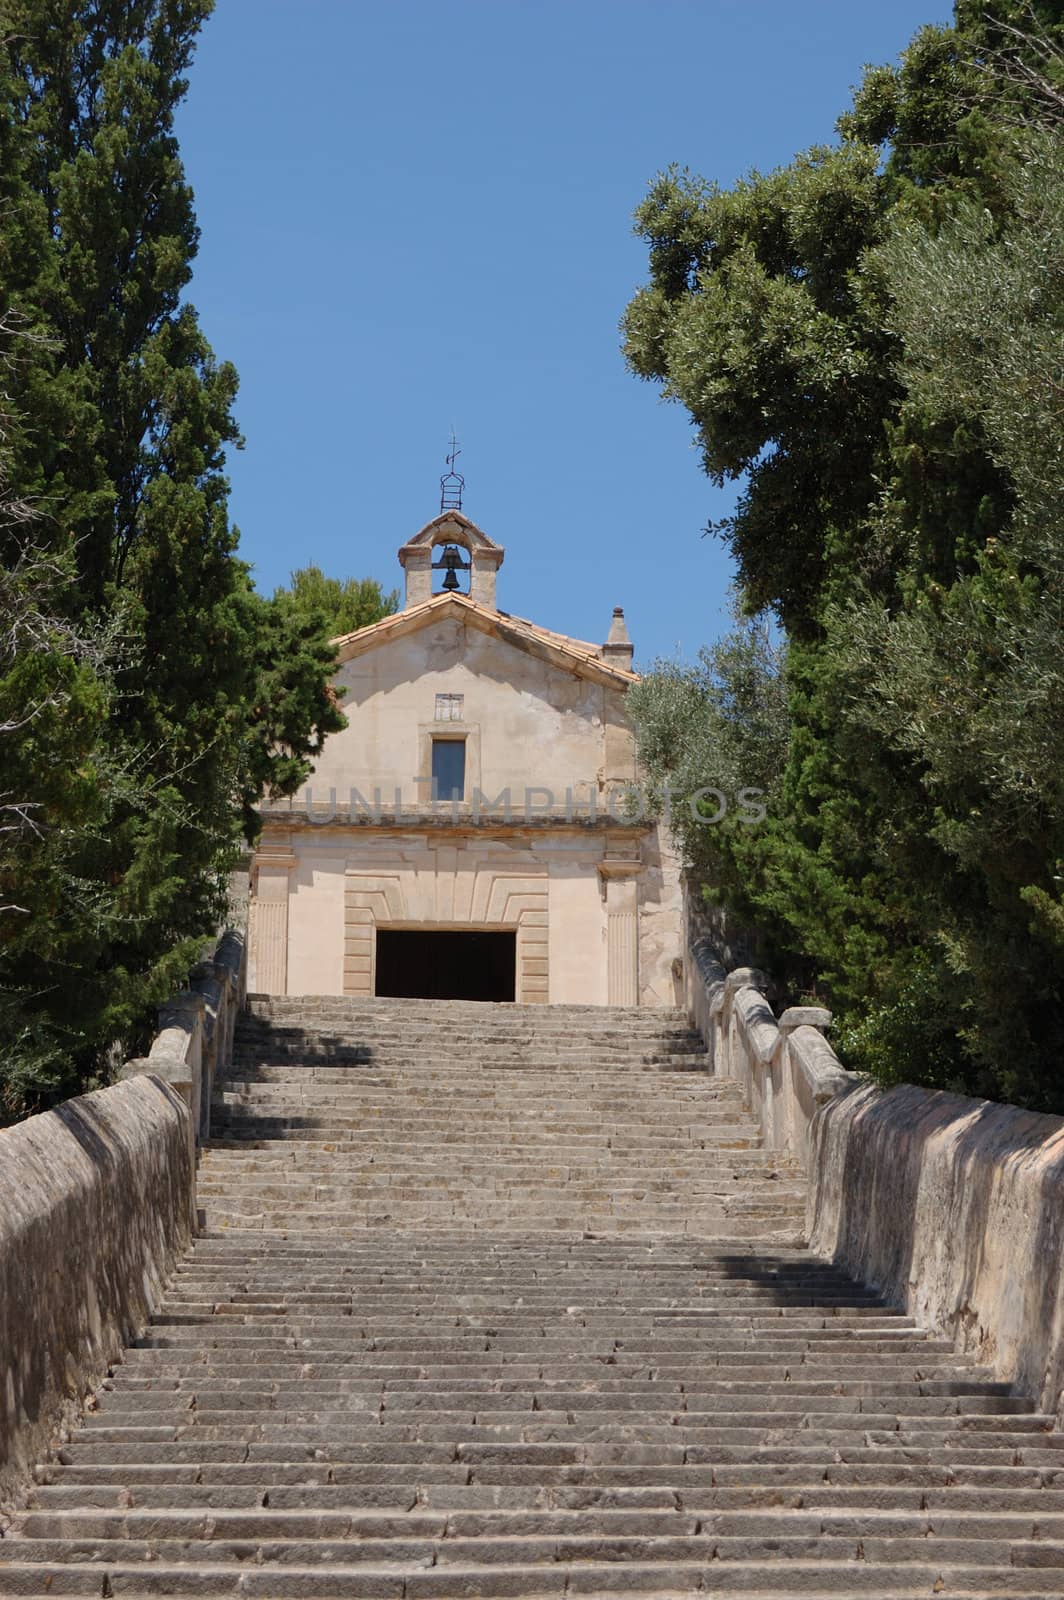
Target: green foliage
138	776
873	337
344	604
721	725
755	321
762	318
964	686
914	1025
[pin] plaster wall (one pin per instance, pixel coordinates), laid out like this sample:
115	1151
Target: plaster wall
346	881
544	735
660	921
316	918
530	723
577	925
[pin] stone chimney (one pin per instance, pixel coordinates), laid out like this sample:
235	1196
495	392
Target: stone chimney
618	649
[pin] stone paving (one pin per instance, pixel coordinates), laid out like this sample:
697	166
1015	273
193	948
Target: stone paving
503	1301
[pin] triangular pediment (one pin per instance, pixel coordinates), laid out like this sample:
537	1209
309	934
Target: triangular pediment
570	655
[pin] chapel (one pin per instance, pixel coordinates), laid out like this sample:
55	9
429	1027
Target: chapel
475	832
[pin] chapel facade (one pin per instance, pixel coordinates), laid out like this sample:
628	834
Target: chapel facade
472	833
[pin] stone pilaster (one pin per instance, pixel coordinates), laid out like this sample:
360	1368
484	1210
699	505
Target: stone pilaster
485	567
417	564
533	954
622	930
268	950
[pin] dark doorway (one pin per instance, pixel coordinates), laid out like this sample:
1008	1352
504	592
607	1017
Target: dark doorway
417	965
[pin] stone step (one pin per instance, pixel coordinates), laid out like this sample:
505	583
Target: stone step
378	1088
675	1078
397	1108
213	1293
451	1076
78	1495
351	1146
750	1481
505	1459
450	1044
505	1269
506	1016
640	1218
623	1112
275	1166
449	1041
368	1053
500	1329
514	1144
354	1158
431	1539
464	1124
768	1229
554	1199
470	1057
586	1052
348	1142
769	1578
560	1413
511	1021
680	1094
536	1446
651	1401
156	1525
276	1007
502	1201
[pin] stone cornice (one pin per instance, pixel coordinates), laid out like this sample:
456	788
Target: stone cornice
442	820
619	869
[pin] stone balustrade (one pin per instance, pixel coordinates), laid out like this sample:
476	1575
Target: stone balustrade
953	1208
97	1202
196	1030
785	1066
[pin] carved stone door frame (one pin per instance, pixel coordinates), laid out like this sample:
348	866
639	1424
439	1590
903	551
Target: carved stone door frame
490	896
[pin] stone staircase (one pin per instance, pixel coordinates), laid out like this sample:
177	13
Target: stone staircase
494	1301
406	1114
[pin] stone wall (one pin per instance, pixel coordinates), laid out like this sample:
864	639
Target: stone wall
97	1200
952	1208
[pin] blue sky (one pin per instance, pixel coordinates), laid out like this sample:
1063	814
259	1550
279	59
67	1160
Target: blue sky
418	214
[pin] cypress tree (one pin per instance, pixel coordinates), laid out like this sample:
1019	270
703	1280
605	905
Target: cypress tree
121	417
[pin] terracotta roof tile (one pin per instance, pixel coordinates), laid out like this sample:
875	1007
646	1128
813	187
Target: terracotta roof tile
576	650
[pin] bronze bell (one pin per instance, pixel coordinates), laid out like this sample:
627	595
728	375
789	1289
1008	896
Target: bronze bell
451	564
